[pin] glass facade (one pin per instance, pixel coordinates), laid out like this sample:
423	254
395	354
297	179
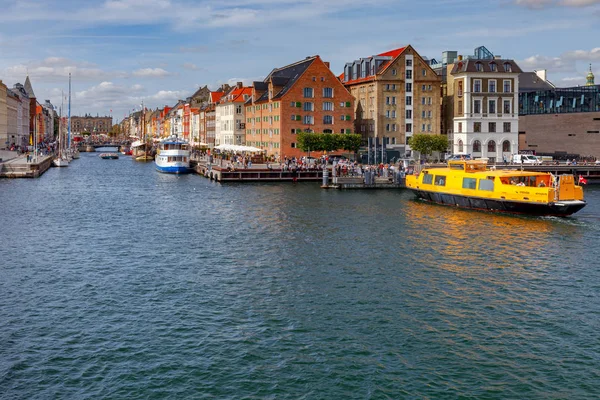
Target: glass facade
560	100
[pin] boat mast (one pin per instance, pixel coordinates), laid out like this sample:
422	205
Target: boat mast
69	129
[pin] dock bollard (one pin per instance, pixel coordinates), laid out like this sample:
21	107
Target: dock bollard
325	176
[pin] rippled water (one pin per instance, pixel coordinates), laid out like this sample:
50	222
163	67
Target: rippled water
120	282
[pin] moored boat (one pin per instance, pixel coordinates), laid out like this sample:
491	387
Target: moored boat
109	156
470	184
173	156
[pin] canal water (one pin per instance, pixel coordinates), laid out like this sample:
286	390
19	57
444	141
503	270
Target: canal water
117	281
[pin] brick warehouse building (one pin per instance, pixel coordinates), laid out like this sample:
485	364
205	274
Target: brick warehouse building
303	96
94	125
397	94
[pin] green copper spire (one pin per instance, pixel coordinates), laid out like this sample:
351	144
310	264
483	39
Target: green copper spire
589	80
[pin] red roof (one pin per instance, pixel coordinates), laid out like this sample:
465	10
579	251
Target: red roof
392	53
215	96
237	95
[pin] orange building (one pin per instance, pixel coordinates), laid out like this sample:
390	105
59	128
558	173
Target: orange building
301	97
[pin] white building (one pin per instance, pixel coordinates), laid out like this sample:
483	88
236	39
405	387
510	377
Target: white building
230	126
486	118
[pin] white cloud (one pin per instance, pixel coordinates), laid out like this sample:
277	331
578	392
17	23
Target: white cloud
169	95
57	69
151	73
566	62
585	55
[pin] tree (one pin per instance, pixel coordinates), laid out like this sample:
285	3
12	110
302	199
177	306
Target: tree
309	142
426	144
352	142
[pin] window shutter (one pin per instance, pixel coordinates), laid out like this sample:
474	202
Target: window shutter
298	104
297	118
347	104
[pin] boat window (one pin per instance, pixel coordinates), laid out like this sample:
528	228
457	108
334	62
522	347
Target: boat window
486	184
459	167
469	183
440	180
427	179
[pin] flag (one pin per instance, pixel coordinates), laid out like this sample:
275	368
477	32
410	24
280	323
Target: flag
582	180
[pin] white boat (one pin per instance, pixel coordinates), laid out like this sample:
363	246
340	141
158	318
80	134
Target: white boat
173	156
61	159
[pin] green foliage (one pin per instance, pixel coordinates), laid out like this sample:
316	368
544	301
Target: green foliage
426	144
328	141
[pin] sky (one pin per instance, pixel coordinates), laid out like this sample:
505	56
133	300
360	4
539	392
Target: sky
123	53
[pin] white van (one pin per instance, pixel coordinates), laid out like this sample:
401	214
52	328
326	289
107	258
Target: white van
525	159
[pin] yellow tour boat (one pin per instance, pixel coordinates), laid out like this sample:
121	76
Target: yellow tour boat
471	184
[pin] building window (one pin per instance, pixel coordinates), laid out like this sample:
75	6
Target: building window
460	127
422	127
308	92
408	114
460	88
423	88
477	106
387	100
328	92
328	106
506	106
308	106
491	127
507	67
507	86
423	100
476	146
408	100
408	128
428	127
393	127
308	119
492	106
477	85
506	146
423	114
408	62
460	146
491	147
477	127
478	66
408	87
507	127
394	72
327	119
393	113
429	100
492	86
424	72
393	99
493	67
387	127
408	74
293	145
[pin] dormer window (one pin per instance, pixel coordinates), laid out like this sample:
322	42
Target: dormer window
507	67
493	67
478	66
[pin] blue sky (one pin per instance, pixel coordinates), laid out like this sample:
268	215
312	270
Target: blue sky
123	52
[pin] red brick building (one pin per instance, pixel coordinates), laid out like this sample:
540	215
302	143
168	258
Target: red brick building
303	96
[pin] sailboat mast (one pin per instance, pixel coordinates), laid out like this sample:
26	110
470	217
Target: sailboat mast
69	131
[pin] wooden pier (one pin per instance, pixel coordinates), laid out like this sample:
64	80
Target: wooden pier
258	173
20	168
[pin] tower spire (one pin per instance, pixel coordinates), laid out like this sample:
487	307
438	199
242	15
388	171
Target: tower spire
589	80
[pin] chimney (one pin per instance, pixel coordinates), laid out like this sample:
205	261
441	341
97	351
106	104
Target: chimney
239	85
541	74
460	57
326	63
498	57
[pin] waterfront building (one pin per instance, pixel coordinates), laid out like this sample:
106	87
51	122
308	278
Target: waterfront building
23	119
195	125
49	112
302	96
484	93
559	122
95	125
33	110
397	94
4	141
230	116
210	118
12	106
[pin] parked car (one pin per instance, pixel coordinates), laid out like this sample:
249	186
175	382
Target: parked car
525	159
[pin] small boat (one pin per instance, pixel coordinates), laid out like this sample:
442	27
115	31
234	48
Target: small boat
144	158
109	156
173	156
470	184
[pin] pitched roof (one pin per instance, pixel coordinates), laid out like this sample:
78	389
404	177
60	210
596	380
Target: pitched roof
28	88
215	96
470	65
237	95
393	54
531	82
288	75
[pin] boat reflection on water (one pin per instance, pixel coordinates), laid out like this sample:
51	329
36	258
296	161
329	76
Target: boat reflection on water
464	240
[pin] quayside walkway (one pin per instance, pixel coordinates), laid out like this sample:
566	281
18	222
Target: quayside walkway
18	166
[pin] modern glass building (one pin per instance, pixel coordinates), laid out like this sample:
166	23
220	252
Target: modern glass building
559	100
